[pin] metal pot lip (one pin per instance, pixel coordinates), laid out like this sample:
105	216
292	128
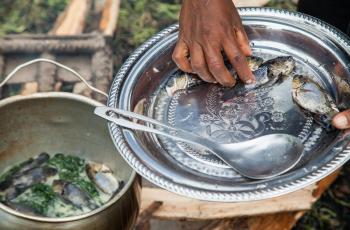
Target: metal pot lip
79	98
63	95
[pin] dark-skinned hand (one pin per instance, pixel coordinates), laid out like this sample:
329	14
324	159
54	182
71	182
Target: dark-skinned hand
208	27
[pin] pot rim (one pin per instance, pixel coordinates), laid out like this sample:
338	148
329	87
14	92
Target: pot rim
79	98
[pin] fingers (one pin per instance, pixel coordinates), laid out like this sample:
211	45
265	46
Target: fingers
243	42
238	61
342	120
199	65
180	56
217	66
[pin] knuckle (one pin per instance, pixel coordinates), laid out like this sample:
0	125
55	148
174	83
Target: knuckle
215	65
176	57
238	58
198	67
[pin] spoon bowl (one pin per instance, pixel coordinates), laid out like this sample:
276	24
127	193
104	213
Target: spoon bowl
263	157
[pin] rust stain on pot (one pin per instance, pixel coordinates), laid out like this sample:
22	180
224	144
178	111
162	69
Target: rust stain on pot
13	148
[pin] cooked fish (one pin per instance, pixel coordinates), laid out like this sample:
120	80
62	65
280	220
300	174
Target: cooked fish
23	208
178	83
343	87
73	194
309	95
103	177
254	62
261	78
32	163
280	65
20	183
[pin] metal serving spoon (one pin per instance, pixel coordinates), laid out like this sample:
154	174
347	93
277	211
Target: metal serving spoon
260	158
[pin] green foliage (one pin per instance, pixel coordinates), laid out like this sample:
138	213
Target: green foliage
139	20
87	186
39	197
70	169
332	211
35	16
282	4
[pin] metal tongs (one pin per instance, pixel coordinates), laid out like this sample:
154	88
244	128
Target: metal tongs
260	158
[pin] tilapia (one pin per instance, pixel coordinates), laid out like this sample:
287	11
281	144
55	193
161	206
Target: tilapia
309	95
177	83
343	87
261	78
20	183
33	163
103	177
280	65
20	169
73	194
254	62
23	208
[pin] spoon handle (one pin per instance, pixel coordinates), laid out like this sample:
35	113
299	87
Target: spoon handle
180	135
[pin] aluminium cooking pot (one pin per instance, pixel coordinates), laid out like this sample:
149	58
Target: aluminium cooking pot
64	122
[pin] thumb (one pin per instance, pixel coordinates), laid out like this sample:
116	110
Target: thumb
342	120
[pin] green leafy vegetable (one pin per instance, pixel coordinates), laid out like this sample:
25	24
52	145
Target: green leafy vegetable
39	197
69	166
87	186
70	169
13	170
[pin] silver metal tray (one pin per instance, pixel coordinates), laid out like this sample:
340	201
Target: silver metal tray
146	82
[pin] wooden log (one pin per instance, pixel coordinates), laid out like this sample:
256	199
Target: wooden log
34	44
144	217
109	18
276	221
72	20
46	76
102	67
177	207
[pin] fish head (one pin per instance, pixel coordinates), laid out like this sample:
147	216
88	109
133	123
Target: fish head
254	62
281	65
261	75
298	81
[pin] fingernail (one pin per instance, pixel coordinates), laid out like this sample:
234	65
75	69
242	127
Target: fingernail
340	121
250	81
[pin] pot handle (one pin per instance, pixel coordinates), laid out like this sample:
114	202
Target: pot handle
75	73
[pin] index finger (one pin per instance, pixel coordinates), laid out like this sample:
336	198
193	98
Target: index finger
217	67
180	56
238	61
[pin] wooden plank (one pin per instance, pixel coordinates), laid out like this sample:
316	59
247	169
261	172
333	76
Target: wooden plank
109	18
179	207
144	217
277	221
72	20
